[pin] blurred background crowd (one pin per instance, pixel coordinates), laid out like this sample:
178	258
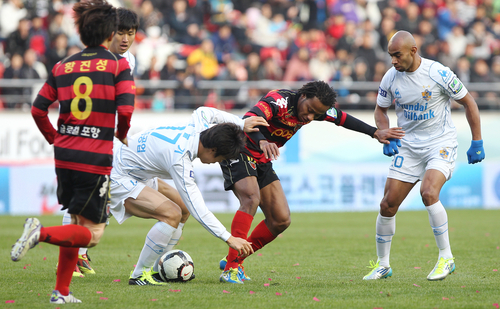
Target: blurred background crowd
227	53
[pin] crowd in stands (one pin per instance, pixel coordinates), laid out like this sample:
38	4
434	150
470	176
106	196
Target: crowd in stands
189	41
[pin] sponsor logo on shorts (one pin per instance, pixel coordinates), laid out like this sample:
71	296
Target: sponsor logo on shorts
253	165
444	153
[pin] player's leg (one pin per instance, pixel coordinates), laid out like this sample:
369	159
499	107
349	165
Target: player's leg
395	192
247	192
150	204
172	194
83	264
434	179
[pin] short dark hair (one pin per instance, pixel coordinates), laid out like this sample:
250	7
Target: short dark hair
96	21
226	138
325	94
127	19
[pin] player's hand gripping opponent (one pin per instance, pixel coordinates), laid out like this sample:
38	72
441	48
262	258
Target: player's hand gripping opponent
392	148
384	135
251	124
475	153
243	247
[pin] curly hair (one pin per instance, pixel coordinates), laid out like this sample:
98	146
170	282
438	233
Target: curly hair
325	94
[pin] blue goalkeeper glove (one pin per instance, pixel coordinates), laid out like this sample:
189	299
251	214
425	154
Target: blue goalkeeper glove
475	153
392	148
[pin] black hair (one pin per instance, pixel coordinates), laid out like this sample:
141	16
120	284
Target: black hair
325	94
127	19
226	138
96	21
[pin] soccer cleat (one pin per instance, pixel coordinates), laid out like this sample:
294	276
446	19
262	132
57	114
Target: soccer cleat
222	263
28	240
58	298
76	272
146	279
230	276
378	272
241	273
241	269
84	265
443	268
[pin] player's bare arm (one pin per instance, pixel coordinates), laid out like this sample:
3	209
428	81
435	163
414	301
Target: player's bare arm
243	247
383	135
251	124
472	115
270	150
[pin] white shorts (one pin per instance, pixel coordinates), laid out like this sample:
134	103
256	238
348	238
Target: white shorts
123	187
411	164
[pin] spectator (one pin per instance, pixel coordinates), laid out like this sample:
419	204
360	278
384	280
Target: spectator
346	8
254	67
18	41
192	36
205	57
179	19
335	26
11	14
447	18
457	42
13	95
169	71
495	69
272	71
32	66
57	52
481	40
412	18
366	52
466	11
481	72
149	16
39	37
321	67
462	70
348	40
224	43
387	30
297	68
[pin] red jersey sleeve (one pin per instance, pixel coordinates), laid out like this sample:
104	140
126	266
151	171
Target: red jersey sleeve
125	96
40	108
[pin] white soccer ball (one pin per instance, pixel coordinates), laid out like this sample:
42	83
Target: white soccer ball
176	265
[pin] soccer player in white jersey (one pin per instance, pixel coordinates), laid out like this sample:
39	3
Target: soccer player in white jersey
168	153
422	90
121	43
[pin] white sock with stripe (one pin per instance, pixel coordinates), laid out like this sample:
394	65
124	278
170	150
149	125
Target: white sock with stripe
438	218
156	242
386	227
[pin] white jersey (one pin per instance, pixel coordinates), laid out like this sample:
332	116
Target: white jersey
422	101
168	152
131	61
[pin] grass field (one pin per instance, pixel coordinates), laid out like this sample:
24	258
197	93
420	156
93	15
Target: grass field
319	262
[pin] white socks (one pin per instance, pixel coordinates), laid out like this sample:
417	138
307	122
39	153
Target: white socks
171	244
156	243
385	229
438	219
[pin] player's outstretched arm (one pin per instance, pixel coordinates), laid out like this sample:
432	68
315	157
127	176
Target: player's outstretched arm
385	136
252	122
243	247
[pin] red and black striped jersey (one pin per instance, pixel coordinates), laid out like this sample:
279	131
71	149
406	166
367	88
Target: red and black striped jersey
279	108
91	86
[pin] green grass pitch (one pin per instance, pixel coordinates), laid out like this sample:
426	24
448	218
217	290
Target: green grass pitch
319	262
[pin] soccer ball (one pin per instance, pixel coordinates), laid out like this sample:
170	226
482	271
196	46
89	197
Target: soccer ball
176	265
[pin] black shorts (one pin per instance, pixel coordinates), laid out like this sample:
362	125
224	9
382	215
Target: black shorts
84	194
246	166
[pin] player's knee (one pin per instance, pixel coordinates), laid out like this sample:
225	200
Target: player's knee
184	217
169	213
386	209
249	202
280	225
429	196
96	237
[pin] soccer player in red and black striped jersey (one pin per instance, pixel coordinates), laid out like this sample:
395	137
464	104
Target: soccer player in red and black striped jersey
252	178
91	87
